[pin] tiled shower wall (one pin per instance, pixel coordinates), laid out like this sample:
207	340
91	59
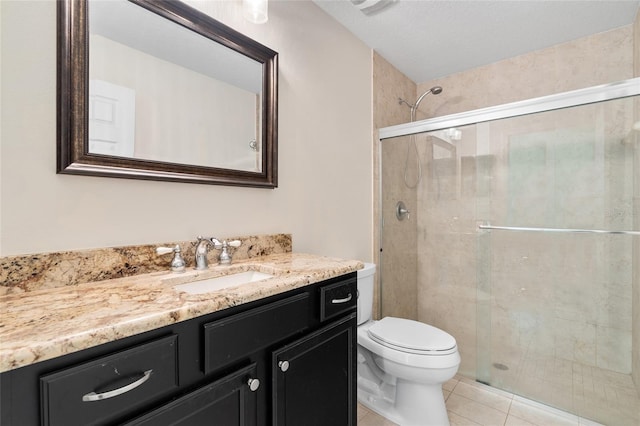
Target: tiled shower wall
602	58
549	306
399	259
598	59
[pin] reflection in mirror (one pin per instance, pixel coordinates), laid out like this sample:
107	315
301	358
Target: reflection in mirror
180	98
172	94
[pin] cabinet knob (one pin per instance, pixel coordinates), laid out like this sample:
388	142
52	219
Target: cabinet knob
254	384
284	365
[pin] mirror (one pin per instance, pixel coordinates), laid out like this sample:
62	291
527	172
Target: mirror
158	90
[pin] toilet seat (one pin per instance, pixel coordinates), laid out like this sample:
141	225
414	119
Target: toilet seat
420	360
412	337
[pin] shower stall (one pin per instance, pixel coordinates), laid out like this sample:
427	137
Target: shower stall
522	240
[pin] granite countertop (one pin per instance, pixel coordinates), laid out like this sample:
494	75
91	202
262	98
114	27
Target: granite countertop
44	324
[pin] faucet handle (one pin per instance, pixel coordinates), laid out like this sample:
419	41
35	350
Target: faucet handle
225	256
177	264
164	250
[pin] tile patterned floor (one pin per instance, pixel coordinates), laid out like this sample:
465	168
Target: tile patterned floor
470	403
587	391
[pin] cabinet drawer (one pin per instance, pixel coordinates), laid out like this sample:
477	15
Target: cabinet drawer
338	298
231	400
230	339
110	387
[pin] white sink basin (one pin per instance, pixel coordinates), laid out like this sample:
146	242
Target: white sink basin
220	283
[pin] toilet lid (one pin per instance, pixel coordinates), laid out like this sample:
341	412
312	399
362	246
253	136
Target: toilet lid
411	336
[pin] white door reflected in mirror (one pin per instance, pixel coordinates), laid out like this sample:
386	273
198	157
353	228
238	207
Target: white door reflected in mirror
112	119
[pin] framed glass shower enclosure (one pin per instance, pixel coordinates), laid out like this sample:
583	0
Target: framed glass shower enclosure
522	240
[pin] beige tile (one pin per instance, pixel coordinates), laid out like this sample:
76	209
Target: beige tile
539	416
627	396
559	395
614	349
480	413
456	420
608	414
587	422
533	388
516	421
483	396
546	408
449	385
373	419
362	411
486	388
595	393
618	379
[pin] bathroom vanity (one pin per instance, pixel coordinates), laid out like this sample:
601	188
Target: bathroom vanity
278	352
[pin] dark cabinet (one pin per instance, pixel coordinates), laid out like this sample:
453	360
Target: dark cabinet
230	339
313	378
98	391
287	359
229	401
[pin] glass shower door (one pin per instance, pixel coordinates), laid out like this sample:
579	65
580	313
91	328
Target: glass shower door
554	284
516	244
428	258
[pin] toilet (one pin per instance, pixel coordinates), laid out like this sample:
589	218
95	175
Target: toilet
402	363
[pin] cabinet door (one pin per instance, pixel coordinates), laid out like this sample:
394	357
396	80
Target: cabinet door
230	401
314	378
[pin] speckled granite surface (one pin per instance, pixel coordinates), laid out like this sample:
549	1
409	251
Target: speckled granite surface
49	270
42	324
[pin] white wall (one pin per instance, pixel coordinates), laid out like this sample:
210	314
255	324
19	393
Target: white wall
325	150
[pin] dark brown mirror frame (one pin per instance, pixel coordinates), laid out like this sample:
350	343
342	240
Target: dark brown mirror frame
73	156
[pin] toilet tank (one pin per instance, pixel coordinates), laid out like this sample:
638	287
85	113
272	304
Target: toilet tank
365	292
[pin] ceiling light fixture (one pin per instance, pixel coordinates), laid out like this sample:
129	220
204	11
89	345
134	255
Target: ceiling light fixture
256	11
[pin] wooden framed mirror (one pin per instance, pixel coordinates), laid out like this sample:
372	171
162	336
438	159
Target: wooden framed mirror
157	90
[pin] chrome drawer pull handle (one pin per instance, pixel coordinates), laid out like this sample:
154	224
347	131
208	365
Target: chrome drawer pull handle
345	300
92	396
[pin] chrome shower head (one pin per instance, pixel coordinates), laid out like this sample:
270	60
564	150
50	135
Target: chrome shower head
436	90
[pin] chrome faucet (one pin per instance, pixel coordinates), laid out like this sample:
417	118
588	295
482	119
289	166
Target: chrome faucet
202	248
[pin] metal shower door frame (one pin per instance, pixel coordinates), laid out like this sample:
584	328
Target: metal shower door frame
589	95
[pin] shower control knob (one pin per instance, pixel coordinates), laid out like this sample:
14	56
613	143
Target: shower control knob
254	384
284	365
402	212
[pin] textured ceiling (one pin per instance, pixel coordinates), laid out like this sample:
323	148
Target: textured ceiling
428	39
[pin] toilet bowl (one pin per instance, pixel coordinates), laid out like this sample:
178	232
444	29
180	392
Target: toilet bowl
402	363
